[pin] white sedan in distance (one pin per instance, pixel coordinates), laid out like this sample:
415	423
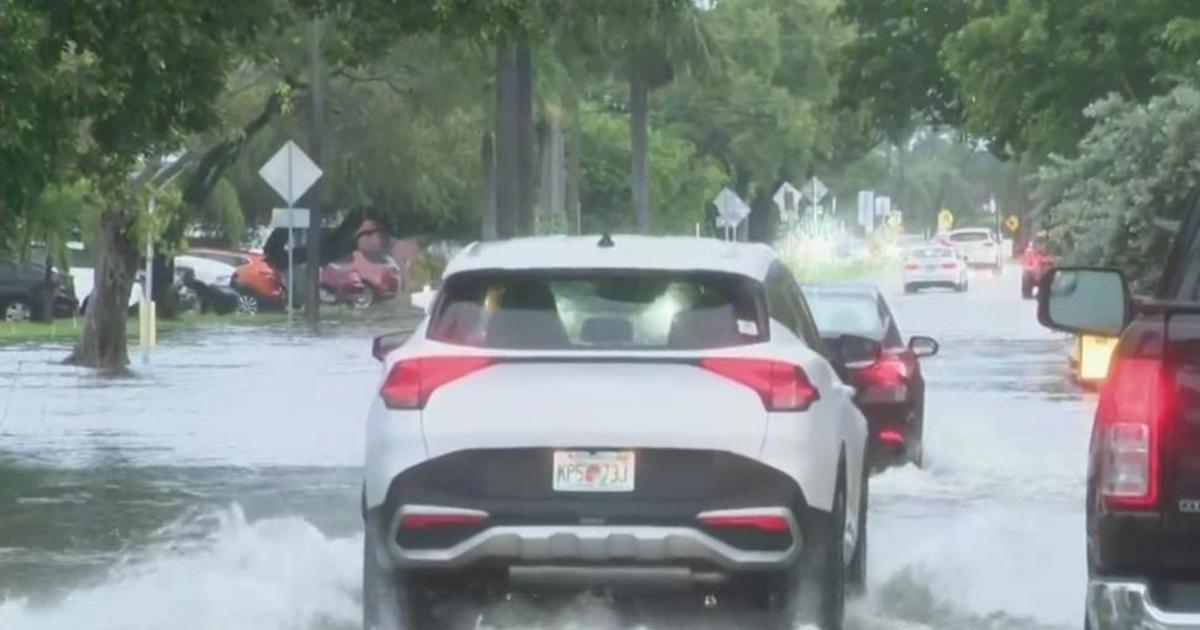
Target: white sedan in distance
593	410
934	266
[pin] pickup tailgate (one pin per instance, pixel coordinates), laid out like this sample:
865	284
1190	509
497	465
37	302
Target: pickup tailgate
1181	447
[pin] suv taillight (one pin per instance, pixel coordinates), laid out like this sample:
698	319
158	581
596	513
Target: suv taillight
1134	403
411	382
782	386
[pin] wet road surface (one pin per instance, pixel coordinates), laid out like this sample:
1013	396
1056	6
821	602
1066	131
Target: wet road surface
219	487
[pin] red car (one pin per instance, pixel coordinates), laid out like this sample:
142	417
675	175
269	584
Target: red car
1035	262
375	270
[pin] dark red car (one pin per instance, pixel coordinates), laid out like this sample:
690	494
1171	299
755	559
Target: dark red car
375	270
1035	262
856	325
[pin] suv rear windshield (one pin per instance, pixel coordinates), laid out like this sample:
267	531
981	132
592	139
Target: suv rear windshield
600	310
969	237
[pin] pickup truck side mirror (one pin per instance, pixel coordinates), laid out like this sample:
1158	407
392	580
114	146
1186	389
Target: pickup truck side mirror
1084	301
382	345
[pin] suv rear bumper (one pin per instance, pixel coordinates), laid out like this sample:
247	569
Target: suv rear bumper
1116	604
495	507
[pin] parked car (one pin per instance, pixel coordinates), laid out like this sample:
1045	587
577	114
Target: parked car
934	266
1143	481
361	278
83	277
979	247
212	281
890	386
623	405
1035	262
341	284
259	284
22	292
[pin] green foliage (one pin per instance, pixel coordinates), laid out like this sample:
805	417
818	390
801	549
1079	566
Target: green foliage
1135	174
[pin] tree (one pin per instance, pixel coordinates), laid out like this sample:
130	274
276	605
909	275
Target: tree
102	85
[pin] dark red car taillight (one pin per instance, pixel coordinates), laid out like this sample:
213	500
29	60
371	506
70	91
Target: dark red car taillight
1134	403
411	382
782	386
885	380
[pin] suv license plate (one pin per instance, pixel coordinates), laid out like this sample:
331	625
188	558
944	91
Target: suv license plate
593	471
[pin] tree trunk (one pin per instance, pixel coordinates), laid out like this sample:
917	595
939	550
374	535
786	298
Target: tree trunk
638	136
316	142
47	306
527	196
574	164
487	169
507	160
104	343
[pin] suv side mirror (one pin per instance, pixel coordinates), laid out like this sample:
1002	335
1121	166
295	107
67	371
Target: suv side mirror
923	346
384	344
1084	301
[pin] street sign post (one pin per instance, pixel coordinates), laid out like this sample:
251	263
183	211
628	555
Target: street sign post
290	172
815	191
731	210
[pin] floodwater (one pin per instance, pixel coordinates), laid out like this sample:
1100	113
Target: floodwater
219	487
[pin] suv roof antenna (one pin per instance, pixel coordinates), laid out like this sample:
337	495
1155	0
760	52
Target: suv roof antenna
605	240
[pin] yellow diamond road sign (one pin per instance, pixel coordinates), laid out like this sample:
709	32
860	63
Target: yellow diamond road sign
1013	223
945	220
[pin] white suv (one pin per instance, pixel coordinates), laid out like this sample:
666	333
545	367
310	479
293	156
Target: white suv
978	246
613	407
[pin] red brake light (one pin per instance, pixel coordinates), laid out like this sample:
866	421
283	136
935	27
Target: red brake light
911	265
1134	403
765	523
410	383
949	264
426	521
891	437
782	386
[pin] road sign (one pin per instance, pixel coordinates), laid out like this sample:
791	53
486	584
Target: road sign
290	172
866	209
295	218
787	198
895	219
731	210
883	206
815	190
1013	223
945	220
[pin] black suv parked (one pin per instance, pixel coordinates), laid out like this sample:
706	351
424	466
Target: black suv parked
1143	484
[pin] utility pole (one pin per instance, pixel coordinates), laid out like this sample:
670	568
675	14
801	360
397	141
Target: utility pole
316	144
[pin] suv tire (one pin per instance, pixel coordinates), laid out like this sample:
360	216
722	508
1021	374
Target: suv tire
813	590
389	602
1027	284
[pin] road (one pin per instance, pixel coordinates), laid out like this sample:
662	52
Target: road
219	488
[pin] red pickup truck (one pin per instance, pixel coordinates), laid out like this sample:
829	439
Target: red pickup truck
1035	262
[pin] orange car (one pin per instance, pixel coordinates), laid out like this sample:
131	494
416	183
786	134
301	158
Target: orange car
257	282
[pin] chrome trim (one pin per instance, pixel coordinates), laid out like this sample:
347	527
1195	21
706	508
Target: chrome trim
1128	605
585	544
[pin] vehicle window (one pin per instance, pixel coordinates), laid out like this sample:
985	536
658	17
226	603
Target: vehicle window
81	258
1190	287
780	303
891	333
932	252
808	324
600	310
846	314
970	237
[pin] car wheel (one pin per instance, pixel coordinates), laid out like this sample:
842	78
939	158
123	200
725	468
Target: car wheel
18	310
910	288
389	602
813	590
246	304
1027	284
857	571
997	269
363	299
326	296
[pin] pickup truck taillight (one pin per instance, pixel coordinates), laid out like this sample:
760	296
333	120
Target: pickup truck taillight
782	386
1135	402
411	382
